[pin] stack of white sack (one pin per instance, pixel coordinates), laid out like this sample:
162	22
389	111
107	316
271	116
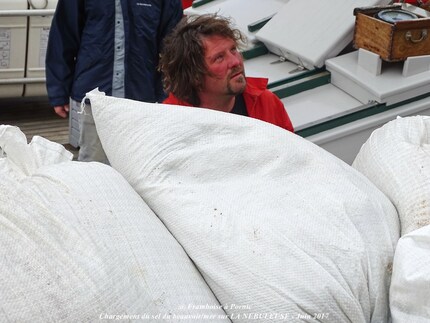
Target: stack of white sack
280	229
396	158
78	244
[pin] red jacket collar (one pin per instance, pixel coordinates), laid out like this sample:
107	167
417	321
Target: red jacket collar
254	87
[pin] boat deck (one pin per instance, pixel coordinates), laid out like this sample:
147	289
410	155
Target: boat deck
34	116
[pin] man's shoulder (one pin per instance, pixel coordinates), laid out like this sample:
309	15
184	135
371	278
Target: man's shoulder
257	82
258	87
172	99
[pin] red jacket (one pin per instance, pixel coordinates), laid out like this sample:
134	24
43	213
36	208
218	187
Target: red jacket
187	3
416	2
260	103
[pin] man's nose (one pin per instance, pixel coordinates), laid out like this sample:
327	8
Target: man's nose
235	59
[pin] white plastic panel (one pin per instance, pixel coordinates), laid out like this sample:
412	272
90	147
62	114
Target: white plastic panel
345	141
319	105
269	66
309	32
328	102
242	12
388	87
37	44
12	48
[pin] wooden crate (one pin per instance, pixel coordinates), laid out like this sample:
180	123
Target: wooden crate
391	41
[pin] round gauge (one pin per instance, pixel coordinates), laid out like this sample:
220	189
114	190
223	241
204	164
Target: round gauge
394	15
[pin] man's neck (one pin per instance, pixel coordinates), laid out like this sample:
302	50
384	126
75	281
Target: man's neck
224	103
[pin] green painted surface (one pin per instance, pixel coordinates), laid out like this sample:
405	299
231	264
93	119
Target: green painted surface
258	24
380	108
258	50
198	3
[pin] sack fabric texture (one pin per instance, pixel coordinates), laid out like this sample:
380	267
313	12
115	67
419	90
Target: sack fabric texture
396	158
410	286
78	244
279	228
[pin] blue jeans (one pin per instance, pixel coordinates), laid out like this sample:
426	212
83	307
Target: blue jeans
89	142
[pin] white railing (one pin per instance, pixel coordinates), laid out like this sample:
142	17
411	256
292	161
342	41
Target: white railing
27	12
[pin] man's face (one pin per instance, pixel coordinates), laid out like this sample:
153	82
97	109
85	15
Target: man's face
226	74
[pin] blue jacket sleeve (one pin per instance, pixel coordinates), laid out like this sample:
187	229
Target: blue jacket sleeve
172	14
63	46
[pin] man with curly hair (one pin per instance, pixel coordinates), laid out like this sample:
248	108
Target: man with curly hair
203	67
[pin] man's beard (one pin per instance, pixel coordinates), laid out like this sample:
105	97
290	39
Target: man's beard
235	89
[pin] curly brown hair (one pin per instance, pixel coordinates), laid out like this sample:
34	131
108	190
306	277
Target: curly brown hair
182	59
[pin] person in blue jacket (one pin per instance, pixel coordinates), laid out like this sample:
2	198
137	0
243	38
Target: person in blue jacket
110	44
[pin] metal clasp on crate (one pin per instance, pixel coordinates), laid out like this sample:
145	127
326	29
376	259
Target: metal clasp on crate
424	34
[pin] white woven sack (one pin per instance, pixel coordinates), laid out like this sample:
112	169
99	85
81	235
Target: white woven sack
396	158
78	244
280	229
23	159
410	286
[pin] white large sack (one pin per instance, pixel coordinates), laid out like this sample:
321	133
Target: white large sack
410	286
78	244
23	159
280	229
396	158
